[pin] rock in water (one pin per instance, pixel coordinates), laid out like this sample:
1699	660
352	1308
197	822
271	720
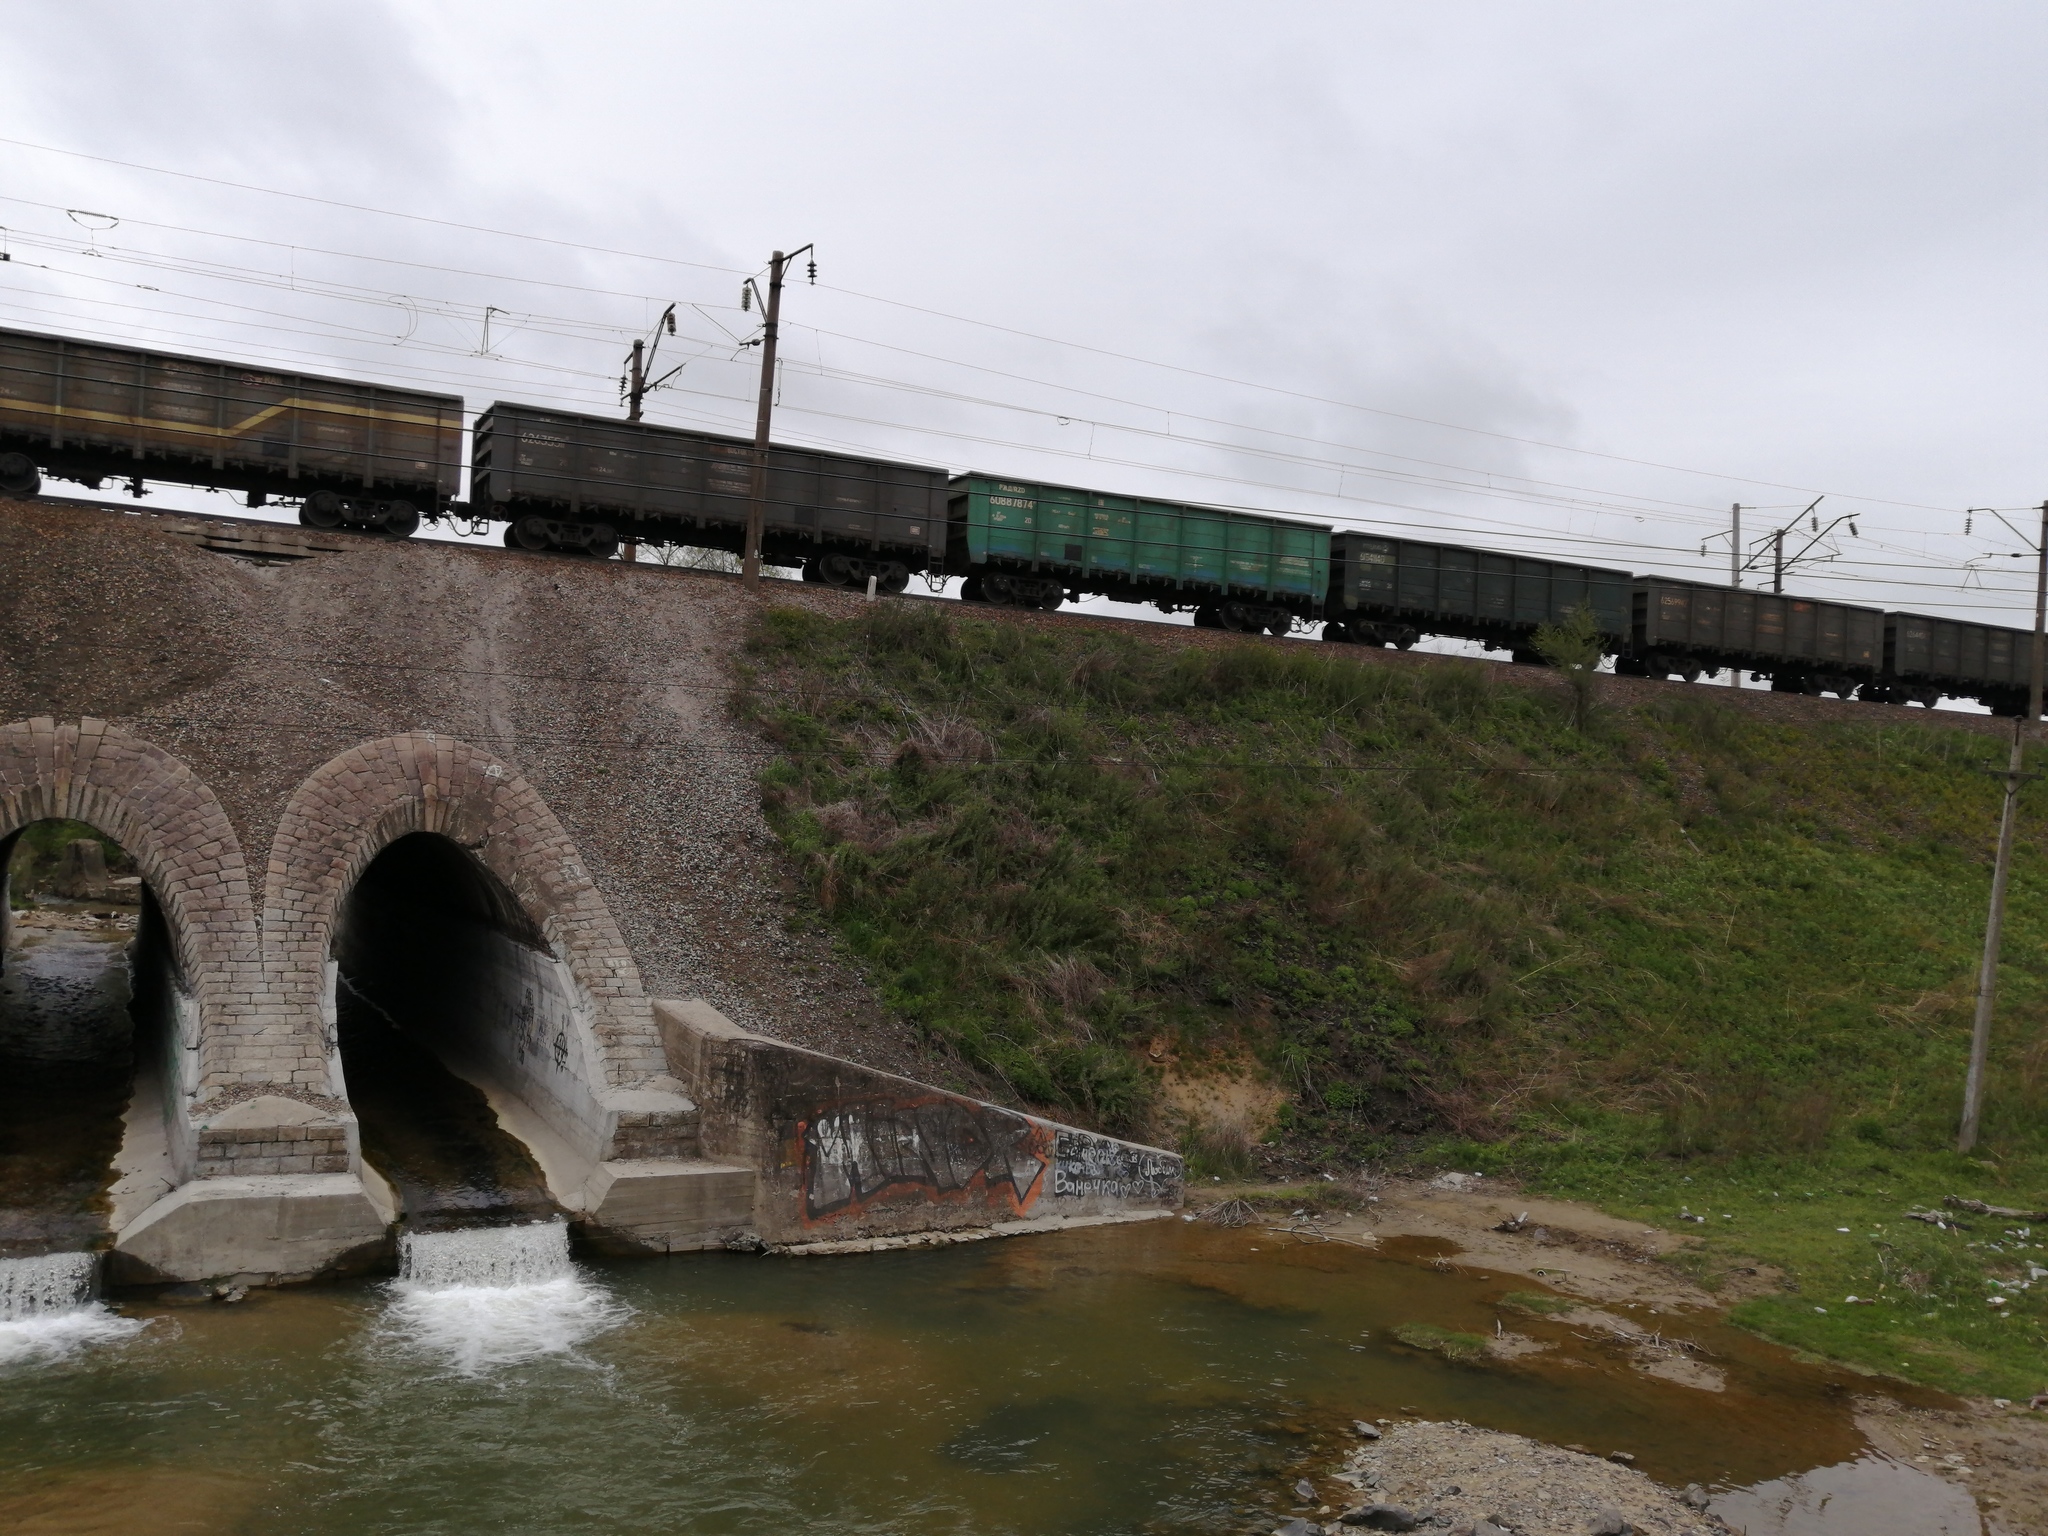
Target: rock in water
1294	1528
1364	1431
1381	1517
1695	1496
1305	1491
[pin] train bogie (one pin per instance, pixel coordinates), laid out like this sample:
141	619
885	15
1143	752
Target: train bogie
1388	591
1022	543
350	453
567	481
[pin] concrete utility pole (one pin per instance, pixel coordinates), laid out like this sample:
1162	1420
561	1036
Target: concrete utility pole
1987	975
1735	574
771	316
638	389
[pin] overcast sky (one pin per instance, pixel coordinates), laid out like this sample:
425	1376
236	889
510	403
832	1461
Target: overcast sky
1563	278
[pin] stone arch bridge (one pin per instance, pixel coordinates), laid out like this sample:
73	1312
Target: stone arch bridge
264	718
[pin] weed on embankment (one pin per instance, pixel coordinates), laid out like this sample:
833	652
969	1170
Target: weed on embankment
1668	943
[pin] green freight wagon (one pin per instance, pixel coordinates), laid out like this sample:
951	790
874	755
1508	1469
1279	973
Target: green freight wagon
1926	657
348	452
1802	644
1388	591
1024	544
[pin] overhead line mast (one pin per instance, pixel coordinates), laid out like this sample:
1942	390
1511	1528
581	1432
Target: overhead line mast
2015	776
771	315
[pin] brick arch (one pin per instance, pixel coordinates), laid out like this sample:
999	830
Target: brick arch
353	807
171	824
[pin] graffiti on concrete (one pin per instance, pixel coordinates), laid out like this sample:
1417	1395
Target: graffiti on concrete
1084	1165
856	1153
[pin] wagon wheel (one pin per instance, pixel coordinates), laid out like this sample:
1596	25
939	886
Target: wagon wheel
1206	617
19	475
1052	599
894	578
835	570
1691	674
322	509
401	519
529	533
970	590
1337	634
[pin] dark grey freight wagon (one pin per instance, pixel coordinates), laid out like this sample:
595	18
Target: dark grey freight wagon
1686	628
348	452
565	481
1926	657
1387	591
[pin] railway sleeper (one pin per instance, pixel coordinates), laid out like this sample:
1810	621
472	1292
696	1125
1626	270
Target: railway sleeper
537	533
836	570
331	509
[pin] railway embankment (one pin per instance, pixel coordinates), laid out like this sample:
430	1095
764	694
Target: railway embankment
1706	961
1299	909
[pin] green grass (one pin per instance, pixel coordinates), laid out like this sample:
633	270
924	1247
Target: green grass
1441	1341
1679	943
1537	1303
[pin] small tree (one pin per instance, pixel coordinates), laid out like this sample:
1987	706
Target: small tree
1573	646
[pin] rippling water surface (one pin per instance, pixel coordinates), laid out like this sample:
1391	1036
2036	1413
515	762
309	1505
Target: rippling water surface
1149	1378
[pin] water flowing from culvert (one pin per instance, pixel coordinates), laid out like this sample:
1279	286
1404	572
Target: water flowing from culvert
480	1297
48	1310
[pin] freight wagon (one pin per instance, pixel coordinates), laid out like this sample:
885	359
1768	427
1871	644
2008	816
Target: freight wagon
1026	544
1687	628
357	454
1386	591
1926	657
564	481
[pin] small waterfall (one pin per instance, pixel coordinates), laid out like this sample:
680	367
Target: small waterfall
480	1297
45	1284
493	1256
47	1308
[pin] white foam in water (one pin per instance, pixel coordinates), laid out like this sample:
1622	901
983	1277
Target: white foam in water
47	1310
489	1296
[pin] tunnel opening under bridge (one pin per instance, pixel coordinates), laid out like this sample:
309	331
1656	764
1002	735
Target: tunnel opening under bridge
88	1044
455	1026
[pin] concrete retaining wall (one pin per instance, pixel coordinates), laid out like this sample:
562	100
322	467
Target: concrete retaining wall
841	1151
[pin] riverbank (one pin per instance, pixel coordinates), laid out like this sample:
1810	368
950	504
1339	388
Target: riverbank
1642	1287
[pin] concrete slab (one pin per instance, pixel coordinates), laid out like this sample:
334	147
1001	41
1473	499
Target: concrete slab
277	1226
669	1207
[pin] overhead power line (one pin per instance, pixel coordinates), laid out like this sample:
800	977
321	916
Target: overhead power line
387	213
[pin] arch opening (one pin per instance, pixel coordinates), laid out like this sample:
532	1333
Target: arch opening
88	1054
452	1018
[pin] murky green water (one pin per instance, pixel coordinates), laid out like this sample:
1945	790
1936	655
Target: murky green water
1147	1378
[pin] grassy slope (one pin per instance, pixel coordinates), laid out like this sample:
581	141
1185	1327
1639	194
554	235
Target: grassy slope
1681	956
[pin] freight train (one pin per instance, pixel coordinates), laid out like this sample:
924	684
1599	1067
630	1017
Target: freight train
379	459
